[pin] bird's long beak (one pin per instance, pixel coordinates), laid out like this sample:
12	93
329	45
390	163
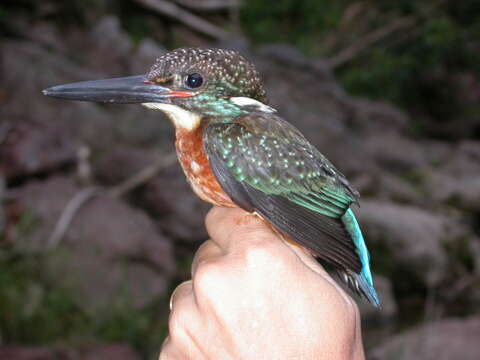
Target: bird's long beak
126	90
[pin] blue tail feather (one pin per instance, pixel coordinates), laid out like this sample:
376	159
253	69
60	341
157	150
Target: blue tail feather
364	279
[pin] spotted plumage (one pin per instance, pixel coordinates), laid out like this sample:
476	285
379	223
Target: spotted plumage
226	71
236	150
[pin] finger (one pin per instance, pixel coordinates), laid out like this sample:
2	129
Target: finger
182	291
233	227
165	350
169	351
183	324
208	251
220	222
165	342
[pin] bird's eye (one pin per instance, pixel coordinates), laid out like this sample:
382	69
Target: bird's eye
194	81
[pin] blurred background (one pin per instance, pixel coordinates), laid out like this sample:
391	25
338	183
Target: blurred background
97	224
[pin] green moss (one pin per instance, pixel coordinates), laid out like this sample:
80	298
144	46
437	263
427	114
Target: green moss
27	223
303	23
382	73
36	312
33	312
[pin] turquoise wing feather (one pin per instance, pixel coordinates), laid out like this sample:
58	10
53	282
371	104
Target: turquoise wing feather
364	279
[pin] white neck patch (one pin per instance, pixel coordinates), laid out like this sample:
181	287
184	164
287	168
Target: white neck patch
182	119
246	101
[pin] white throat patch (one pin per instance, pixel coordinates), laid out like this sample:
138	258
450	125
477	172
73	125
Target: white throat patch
246	101
182	119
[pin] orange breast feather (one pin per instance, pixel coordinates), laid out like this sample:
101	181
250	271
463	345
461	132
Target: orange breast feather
195	164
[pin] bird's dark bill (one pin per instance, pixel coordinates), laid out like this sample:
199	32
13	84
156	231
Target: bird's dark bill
125	90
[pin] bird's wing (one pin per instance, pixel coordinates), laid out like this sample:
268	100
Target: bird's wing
266	165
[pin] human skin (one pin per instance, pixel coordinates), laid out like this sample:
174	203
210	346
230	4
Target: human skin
256	296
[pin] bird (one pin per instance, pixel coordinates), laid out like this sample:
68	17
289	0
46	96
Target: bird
237	151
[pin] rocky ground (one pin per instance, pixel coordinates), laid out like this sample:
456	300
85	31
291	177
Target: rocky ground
420	202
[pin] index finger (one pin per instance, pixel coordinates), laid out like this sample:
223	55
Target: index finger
230	227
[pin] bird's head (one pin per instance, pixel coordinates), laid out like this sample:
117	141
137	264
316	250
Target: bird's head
188	84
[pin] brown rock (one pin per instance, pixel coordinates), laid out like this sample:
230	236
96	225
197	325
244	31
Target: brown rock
395	188
145	55
456	180
181	214
65	122
168	195
396	153
462	192
132	161
412	236
110	252
389	307
376	117
111	351
109	47
443	340
32	147
23	353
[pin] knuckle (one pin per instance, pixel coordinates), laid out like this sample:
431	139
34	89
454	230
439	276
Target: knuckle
208	277
182	314
179	319
263	253
210	217
347	310
175	325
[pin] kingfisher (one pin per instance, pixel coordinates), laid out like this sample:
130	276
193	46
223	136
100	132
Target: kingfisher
236	151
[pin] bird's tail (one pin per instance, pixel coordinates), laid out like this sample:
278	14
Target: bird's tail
361	283
358	284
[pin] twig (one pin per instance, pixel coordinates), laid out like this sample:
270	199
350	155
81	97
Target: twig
4	131
86	194
432	310
209	5
69	213
2	210
84	167
10	195
354	50
186	17
463	284
142	176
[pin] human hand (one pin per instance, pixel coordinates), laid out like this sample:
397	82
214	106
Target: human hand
254	296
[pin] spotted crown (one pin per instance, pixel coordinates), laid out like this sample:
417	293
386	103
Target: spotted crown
226	70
